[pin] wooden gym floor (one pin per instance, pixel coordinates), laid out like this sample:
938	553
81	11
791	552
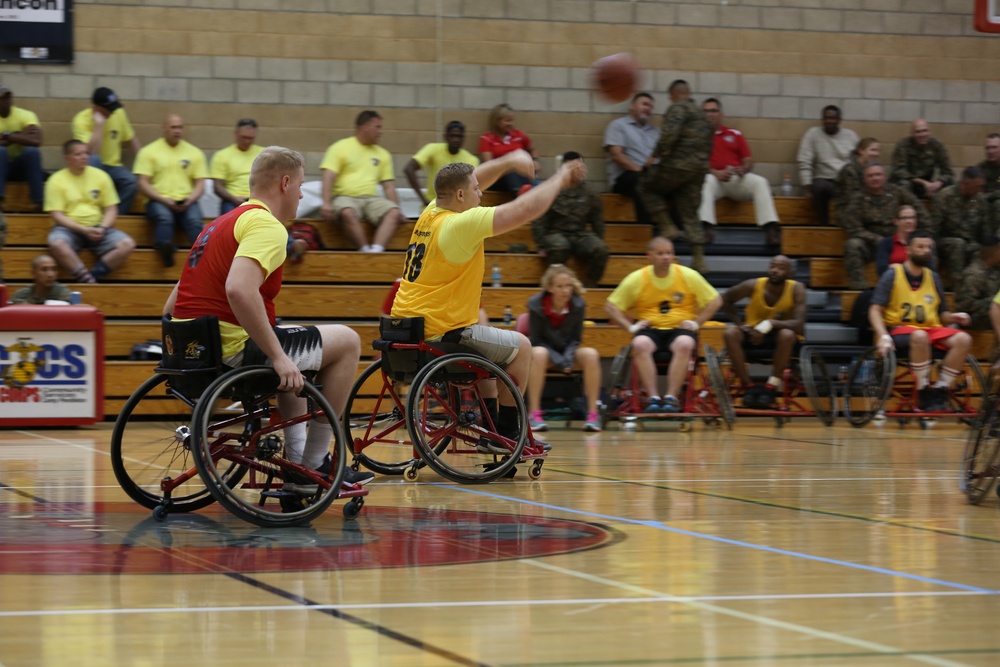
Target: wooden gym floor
803	545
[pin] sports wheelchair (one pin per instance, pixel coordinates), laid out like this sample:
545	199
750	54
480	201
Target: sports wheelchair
422	404
981	459
877	385
226	440
806	379
705	394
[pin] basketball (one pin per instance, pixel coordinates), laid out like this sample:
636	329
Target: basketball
615	77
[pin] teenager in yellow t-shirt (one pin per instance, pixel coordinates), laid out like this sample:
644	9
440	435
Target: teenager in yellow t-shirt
172	175
670	302
434	156
774	320
445	263
351	170
908	308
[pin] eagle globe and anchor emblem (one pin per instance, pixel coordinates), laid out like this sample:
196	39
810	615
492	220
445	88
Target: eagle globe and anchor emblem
20	373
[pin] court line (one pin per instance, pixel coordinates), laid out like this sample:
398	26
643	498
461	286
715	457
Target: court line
794	508
441	604
658	525
881	649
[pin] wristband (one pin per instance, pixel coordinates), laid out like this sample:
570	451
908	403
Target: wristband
886	337
764	326
636	326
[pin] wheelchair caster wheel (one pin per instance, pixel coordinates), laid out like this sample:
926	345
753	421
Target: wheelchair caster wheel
535	471
685	426
353	508
160	512
411	474
925	424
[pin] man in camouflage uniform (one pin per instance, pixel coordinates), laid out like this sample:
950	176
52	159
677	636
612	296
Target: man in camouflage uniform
991	167
960	220
920	162
868	217
980	284
680	162
562	231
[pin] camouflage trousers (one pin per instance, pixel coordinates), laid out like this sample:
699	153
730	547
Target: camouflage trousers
588	247
663	188
857	253
955	255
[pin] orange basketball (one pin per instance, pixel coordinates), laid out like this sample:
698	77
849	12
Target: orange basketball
615	77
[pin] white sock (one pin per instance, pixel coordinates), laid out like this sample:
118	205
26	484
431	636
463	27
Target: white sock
295	442
365	248
317	444
375	247
775	382
922	372
946	376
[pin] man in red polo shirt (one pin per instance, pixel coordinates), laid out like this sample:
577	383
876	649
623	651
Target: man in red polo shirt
730	176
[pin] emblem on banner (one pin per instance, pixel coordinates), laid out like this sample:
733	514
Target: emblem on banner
22	372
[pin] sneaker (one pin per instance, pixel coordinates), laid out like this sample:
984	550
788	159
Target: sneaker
360	477
940	401
766	398
537	422
487	446
166	253
925	399
670	405
750	397
296	483
593	423
547	447
653	407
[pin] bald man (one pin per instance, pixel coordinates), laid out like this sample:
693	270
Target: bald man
773	320
172	175
920	162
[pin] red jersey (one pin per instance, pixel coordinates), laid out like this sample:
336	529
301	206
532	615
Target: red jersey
202	287
729	147
491	143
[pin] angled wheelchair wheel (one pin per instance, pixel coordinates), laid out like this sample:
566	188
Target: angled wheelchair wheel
970	390
720	388
868	386
450	425
981	460
819	387
144	452
620	366
377	436
237	421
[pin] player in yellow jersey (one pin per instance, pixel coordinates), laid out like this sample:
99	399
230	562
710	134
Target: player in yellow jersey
671	302
774	320
445	264
908	308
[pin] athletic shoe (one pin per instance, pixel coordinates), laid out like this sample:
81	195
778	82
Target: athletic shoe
360	477
487	446
925	399
670	405
166	253
751	397
765	398
593	423
537	422
653	407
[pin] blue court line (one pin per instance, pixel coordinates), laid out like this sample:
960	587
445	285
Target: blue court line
724	540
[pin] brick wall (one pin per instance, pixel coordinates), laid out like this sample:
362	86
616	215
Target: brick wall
305	67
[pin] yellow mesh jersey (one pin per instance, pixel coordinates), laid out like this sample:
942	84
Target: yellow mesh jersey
913	307
666	308
757	310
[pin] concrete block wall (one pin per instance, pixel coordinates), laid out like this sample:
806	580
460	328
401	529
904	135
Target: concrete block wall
304	68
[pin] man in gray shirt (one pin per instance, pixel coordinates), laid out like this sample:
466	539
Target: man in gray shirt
823	152
630	141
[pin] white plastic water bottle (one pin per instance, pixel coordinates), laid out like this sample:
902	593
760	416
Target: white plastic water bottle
786	186
495	276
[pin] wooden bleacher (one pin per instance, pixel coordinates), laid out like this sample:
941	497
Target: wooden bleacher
340	285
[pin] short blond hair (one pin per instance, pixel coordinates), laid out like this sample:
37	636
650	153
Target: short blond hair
556	270
451	178
273	163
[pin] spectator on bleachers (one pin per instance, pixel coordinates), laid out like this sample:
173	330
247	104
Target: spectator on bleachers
3	239
920	162
960	220
501	139
555	329
675	179
83	202
980	284
230	167
909	309
44	271
433	156
105	127
892	249
823	152
172	175
574	227
868	217
991	167
629	142
851	178
20	139
670	303
730	175
773	321
352	169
